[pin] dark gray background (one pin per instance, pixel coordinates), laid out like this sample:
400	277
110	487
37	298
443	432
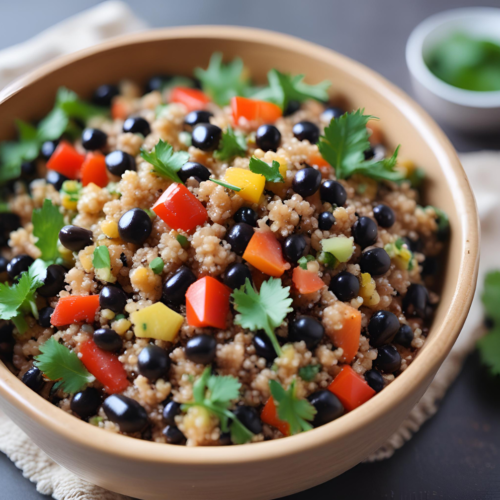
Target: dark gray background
457	454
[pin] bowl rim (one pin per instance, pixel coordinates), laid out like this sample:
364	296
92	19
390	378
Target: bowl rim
419	70
81	435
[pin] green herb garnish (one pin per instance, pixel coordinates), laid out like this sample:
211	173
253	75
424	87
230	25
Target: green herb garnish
270	172
102	264
308	372
18	300
47	222
302	262
223	81
74	107
226	185
284	88
156	265
60	364
232	144
297	412
184	242
342	146
264	310
215	393
165	162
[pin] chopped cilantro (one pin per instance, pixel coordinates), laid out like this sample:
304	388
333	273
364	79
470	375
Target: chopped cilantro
60	364
284	88
223	81
264	310
184	242
270	172
302	262
491	296
232	144
226	185
18	299
342	146
47	222
118	317
308	372
297	412
327	259
157	265
74	107
102	263
443	222
215	393
165	162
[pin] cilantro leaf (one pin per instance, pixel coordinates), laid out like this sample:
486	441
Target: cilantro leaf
264	310
232	144
74	107
308	372
18	299
157	265
491	296
343	145
215	393
47	222
183	241
223	81
60	364
284	88
297	412
270	172
489	350
165	162
53	125
100	258
302	262
226	185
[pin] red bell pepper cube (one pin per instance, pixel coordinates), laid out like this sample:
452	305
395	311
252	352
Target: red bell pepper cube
94	170
269	415
66	160
254	110
75	308
351	388
180	208
193	99
207	303
105	366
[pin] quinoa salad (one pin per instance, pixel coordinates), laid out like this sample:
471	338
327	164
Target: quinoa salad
202	261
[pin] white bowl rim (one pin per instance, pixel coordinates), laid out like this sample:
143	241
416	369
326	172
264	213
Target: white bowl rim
420	71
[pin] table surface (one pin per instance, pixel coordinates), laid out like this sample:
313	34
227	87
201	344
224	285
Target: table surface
456	455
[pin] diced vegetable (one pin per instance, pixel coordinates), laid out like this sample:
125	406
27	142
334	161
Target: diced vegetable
269	416
193	99
207	303
180	208
341	248
306	281
94	170
347	337
252	185
66	160
264	252
156	322
120	109
351	388
75	308
254	110
105	366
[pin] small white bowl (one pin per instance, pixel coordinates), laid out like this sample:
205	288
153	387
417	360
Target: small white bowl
466	110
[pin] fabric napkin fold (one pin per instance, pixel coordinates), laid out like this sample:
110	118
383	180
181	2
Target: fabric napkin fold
115	18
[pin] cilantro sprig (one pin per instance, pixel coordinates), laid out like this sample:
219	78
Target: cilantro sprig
270	172
232	144
284	88
47	222
166	163
297	412
343	145
215	393
264	310
60	364
223	81
18	300
67	106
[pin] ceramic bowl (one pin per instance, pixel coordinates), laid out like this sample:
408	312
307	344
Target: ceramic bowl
276	468
465	110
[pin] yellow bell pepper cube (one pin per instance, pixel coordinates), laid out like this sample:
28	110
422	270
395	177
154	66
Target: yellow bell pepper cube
156	322
252	185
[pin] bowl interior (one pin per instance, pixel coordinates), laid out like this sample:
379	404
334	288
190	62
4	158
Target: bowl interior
178	51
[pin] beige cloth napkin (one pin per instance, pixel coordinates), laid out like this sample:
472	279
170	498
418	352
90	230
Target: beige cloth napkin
114	18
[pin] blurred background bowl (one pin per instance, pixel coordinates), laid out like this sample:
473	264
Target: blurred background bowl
466	110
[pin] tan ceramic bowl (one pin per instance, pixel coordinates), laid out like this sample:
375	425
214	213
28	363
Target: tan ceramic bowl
271	469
